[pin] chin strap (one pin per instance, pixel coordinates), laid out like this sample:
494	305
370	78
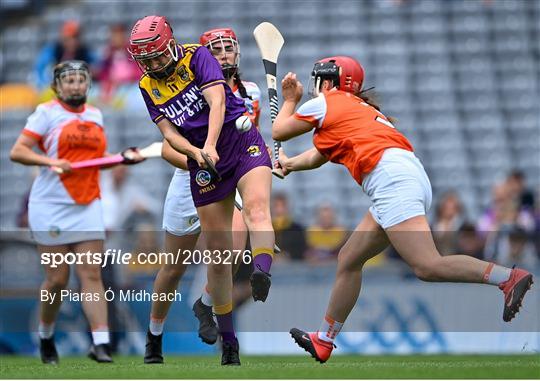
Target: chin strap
366	90
229	71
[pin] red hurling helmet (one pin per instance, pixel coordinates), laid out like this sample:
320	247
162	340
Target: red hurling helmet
346	73
223	40
216	34
151	38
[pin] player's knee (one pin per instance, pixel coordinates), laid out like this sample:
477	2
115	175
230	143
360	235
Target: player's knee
57	282
219	269
90	274
173	272
257	212
349	261
348	271
218	242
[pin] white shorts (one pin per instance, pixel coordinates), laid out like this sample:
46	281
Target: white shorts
60	224
398	187
179	213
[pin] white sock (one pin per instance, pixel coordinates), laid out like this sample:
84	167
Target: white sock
206	299
46	331
329	329
496	274
156	326
101	335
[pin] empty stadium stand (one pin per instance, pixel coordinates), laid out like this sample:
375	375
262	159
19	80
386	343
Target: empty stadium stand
461	77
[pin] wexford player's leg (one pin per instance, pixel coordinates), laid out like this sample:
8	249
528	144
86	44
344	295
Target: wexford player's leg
255	188
202	308
216	226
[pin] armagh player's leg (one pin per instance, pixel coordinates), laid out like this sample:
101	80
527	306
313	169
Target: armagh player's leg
413	241
56	280
166	282
216	225
95	310
255	188
367	240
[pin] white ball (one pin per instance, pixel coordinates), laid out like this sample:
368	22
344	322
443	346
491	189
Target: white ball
243	123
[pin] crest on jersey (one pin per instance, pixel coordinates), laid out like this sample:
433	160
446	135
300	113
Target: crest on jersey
183	73
254	151
203	178
83	127
156	93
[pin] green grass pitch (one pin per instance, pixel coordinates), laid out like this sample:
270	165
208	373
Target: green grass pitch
274	367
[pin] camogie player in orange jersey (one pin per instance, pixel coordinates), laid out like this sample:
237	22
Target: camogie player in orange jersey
65	212
349	129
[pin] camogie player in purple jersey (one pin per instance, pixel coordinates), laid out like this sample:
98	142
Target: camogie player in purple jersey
188	98
180	219
224	46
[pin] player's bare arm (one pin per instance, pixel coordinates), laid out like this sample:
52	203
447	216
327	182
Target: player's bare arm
23	153
309	159
179	143
255	119
174	157
286	126
215	97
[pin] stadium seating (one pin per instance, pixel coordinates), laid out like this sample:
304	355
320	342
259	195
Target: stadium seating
460	76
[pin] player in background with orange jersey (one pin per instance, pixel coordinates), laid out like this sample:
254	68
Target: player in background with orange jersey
65	213
349	129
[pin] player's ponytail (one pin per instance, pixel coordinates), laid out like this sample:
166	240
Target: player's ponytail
241	89
371	98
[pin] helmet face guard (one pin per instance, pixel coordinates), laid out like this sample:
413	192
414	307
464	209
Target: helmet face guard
323	71
223	41
71	82
166	60
153	47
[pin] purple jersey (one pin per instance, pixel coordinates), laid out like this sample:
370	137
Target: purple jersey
246	153
180	99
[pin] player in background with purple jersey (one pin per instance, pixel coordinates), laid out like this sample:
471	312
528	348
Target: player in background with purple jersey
187	97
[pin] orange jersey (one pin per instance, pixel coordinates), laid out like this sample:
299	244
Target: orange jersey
74	136
348	131
253	109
